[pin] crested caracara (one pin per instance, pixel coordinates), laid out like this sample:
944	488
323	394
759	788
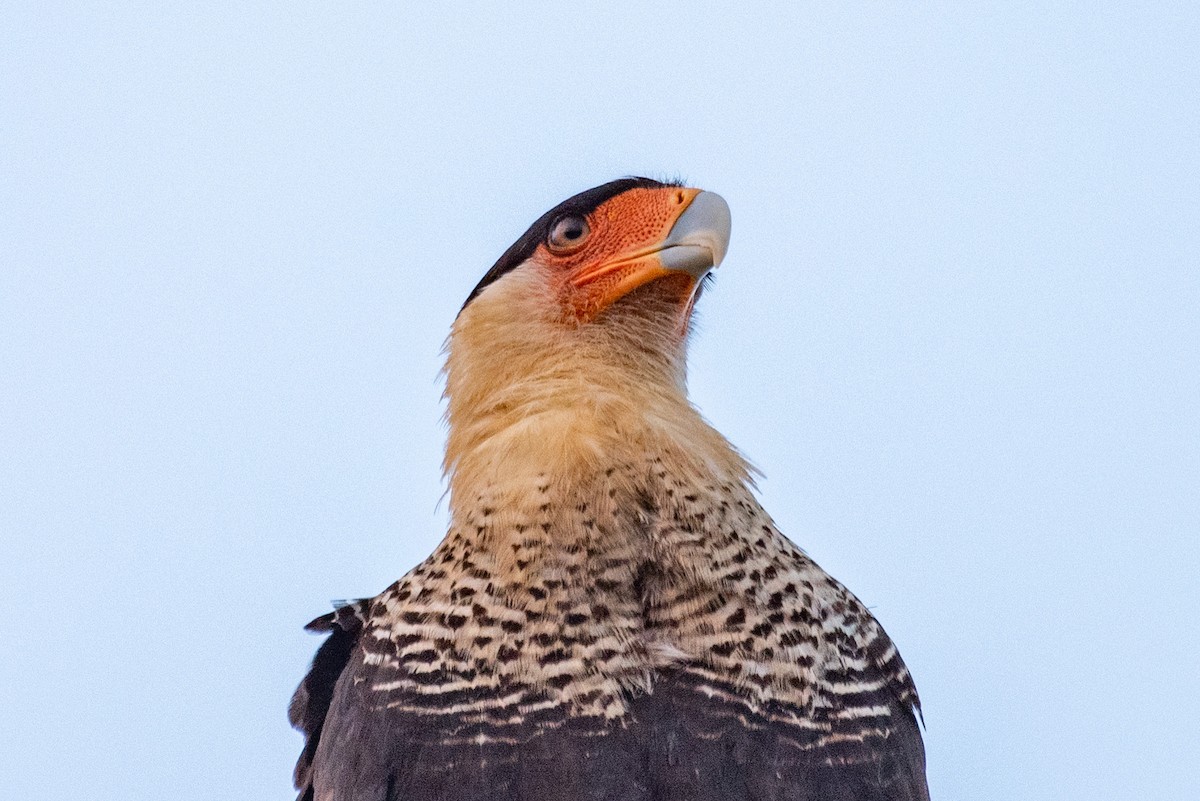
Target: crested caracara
611	615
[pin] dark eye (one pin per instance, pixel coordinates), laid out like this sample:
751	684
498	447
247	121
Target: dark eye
568	233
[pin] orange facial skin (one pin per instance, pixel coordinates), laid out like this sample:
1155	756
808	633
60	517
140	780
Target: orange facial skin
621	252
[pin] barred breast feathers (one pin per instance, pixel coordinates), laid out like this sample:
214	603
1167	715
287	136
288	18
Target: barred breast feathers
603	533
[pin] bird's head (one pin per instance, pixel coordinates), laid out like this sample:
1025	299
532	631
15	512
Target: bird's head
585	317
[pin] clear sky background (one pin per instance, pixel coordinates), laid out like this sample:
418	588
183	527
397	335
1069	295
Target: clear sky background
958	329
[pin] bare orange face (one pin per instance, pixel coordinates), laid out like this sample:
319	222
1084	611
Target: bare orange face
616	248
600	245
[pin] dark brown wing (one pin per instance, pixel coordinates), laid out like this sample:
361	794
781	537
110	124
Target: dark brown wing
702	747
681	742
310	703
411	746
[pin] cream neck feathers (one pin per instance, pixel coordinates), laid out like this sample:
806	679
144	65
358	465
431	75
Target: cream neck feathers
529	395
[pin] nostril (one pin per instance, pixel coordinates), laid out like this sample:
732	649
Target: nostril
679	197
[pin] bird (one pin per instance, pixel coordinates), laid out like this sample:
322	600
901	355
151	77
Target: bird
611	615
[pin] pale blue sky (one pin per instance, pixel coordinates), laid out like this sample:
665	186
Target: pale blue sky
958	329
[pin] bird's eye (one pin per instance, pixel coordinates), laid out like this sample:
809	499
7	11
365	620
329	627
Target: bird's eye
568	234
